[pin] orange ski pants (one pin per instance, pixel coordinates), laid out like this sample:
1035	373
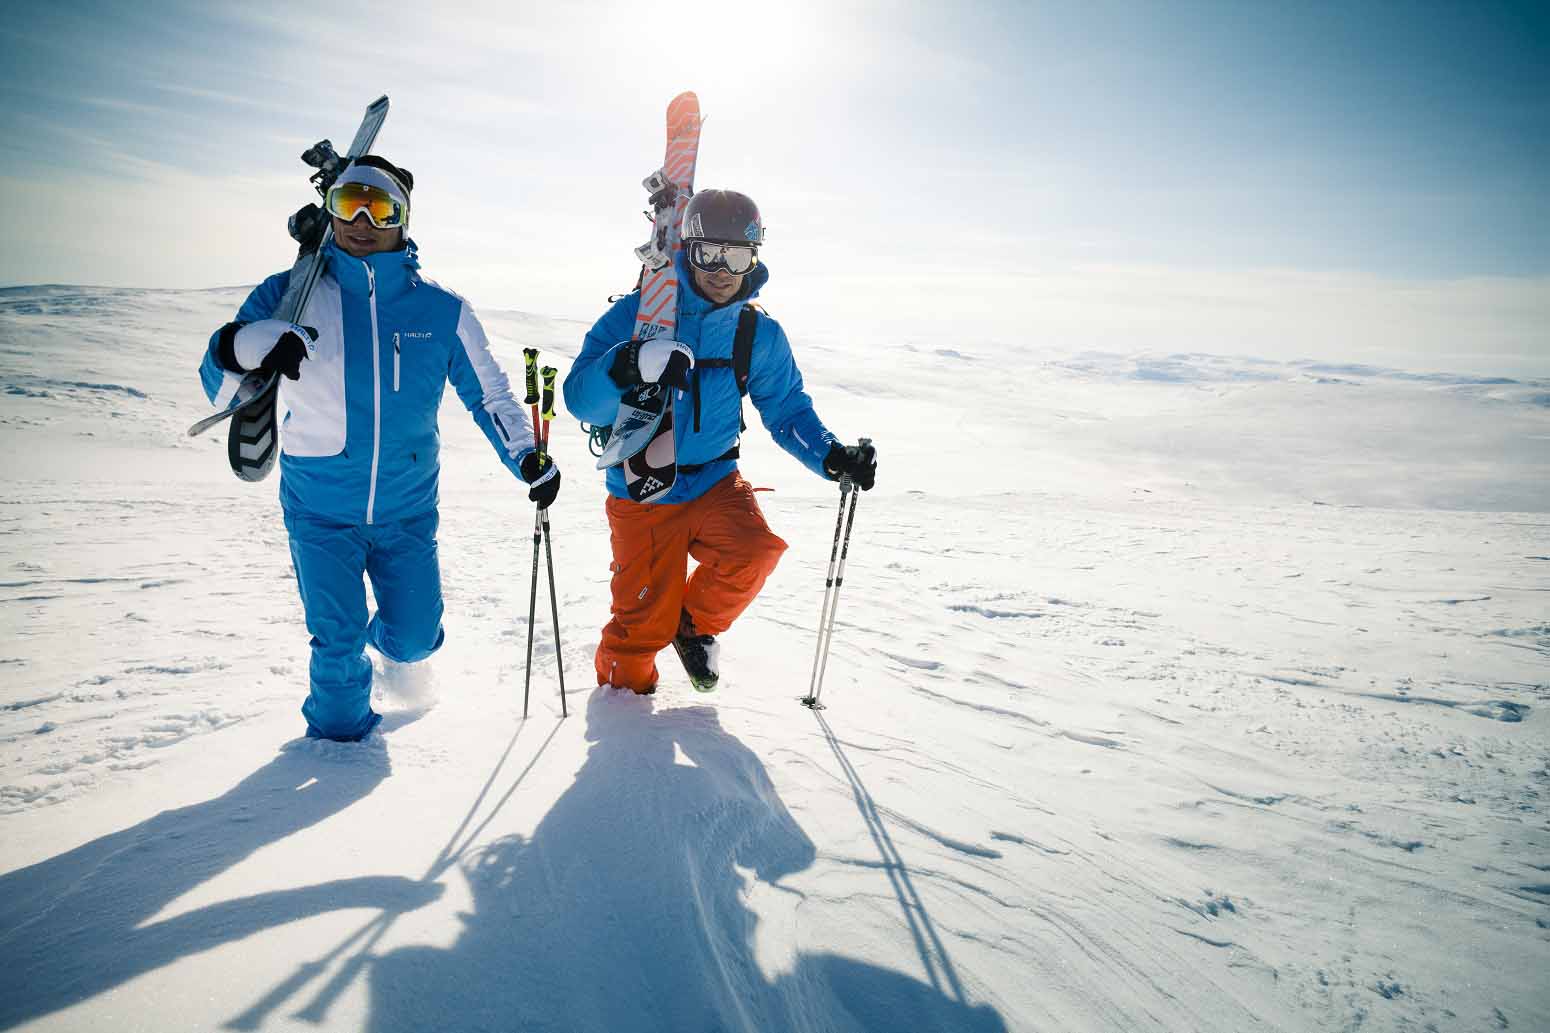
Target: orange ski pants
724	531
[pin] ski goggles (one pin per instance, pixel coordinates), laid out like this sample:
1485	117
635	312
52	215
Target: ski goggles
347	200
709	256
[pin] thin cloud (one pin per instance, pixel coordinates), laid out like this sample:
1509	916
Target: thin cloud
256	100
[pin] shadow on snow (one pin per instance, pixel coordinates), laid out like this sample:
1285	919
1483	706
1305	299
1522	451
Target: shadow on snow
73	926
624	911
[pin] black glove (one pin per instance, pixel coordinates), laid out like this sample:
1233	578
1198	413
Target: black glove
859	461
542	476
657	361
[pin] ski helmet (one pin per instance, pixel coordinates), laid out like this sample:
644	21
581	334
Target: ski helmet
403	176
723	216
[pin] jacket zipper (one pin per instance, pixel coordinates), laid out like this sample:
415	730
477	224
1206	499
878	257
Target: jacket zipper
395	360
376	392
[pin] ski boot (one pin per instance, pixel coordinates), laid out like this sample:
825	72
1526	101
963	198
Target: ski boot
699	654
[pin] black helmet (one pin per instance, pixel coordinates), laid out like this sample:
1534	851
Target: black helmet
723	216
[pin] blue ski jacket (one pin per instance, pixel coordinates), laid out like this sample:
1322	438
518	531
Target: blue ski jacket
774	385
359	443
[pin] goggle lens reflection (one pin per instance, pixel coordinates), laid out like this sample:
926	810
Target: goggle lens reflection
710	256
348	200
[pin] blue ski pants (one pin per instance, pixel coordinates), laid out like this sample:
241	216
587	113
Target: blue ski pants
332	562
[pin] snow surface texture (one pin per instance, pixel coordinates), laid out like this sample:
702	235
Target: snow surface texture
1168	692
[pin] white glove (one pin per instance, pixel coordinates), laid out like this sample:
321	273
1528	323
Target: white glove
657	361
666	362
253	343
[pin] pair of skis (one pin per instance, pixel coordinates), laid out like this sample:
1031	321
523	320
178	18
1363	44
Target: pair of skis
542	417
643	437
253	441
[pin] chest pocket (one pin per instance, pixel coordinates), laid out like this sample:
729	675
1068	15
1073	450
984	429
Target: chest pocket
418	365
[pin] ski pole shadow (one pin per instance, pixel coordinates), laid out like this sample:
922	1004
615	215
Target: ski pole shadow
626	909
933	953
356	949
74	926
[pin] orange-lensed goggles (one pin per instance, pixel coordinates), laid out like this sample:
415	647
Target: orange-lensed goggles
348	200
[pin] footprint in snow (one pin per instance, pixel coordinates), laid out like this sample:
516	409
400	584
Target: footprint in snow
993	614
1494	709
1212	905
917	664
1093	740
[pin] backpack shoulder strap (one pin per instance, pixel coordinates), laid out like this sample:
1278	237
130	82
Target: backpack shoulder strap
741	362
742	345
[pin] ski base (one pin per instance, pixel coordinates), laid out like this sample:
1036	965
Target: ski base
650	473
640	410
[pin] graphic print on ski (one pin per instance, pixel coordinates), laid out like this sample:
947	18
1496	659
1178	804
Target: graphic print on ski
650	467
252	443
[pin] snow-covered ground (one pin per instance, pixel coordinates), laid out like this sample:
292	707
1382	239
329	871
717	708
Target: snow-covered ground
1168	692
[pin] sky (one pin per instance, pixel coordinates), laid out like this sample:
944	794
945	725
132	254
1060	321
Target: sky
1332	180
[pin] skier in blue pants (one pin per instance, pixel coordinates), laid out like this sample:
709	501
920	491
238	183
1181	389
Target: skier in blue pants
364	369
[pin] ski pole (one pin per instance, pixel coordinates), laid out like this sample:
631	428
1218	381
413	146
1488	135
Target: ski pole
839	579
550	373
811	699
831	592
831	597
530	360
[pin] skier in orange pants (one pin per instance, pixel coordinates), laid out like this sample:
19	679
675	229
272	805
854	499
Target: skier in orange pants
710	512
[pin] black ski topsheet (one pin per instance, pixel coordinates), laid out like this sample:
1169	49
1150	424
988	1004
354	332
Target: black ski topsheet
253	442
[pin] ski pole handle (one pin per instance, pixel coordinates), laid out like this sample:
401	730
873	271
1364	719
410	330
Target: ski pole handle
530	360
550	374
846	482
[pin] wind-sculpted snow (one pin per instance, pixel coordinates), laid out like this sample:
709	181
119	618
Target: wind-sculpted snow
1172	692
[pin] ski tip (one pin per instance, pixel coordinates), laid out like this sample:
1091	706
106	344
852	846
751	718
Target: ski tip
683	107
